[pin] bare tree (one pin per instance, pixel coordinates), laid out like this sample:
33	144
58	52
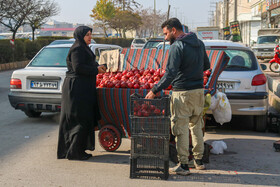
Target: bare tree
149	22
124	21
127	4
40	14
15	13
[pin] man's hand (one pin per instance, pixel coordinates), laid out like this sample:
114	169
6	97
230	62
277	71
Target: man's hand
101	69
150	95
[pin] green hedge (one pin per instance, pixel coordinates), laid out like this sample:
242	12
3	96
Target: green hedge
117	41
25	49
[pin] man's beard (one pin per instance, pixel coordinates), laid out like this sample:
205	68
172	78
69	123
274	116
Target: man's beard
172	39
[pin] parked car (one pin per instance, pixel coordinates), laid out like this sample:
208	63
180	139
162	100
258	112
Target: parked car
37	88
69	41
152	43
243	80
138	43
166	45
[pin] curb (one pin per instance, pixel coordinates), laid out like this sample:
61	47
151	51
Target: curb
274	92
13	65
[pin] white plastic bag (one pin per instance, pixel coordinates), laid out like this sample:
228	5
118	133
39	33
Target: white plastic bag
218	147
222	112
214	101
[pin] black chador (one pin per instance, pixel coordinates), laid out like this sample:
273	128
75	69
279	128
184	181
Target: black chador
79	107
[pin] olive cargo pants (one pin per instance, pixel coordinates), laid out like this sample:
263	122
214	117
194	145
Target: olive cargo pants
187	113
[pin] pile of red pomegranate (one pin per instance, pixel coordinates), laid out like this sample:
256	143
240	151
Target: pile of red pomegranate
146	110
134	79
206	75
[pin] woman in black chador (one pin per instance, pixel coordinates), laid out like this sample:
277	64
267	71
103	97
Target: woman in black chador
79	107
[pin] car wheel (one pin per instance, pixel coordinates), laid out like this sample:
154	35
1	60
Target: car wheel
274	67
260	123
32	113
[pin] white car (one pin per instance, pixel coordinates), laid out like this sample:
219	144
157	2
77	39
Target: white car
243	80
37	88
138	43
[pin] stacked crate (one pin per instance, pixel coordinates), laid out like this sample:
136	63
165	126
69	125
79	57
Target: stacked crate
150	131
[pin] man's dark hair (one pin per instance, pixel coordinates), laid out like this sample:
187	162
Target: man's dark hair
172	22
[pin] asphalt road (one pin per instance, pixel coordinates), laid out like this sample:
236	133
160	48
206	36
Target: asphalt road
28	156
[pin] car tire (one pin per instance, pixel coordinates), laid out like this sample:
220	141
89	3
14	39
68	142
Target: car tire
32	113
260	123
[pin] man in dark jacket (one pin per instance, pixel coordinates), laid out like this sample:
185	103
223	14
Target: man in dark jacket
186	62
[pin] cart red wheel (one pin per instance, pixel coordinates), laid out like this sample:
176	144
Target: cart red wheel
109	138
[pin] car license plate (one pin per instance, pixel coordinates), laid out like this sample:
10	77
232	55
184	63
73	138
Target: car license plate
225	85
43	84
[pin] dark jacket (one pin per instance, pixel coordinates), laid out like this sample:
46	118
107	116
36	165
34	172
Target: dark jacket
186	62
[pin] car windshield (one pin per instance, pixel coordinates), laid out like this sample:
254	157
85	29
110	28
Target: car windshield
151	44
268	39
240	60
51	57
62	42
139	41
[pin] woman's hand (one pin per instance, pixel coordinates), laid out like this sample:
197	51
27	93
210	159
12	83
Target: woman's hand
101	69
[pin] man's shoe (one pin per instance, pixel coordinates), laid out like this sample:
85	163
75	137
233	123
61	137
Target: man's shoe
181	169
199	164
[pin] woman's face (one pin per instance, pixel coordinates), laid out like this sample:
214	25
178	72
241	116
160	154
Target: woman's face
87	38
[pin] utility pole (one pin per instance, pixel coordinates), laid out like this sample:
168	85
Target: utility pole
226	3
154	33
213	5
235	10
168	10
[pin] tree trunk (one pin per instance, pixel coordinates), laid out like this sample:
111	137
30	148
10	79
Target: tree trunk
33	33
120	32
105	33
117	33
124	36
14	34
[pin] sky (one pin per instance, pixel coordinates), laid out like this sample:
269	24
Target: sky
190	12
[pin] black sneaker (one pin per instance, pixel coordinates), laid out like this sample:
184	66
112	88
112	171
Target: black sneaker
181	169
199	164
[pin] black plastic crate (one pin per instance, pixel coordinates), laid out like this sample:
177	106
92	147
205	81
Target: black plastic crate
152	146
149	168
154	126
141	107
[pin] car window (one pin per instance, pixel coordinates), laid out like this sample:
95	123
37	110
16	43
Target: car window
62	42
241	60
151	44
268	39
51	57
139	41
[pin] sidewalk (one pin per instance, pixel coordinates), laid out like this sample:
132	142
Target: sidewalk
273	82
13	65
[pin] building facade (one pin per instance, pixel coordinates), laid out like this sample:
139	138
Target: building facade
251	15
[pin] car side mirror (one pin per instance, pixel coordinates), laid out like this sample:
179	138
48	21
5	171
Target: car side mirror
263	66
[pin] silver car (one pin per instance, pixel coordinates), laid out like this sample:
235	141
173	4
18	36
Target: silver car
243	81
37	88
138	43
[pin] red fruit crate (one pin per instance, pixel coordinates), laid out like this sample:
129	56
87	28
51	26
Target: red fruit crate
149	168
153	126
152	146
142	107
